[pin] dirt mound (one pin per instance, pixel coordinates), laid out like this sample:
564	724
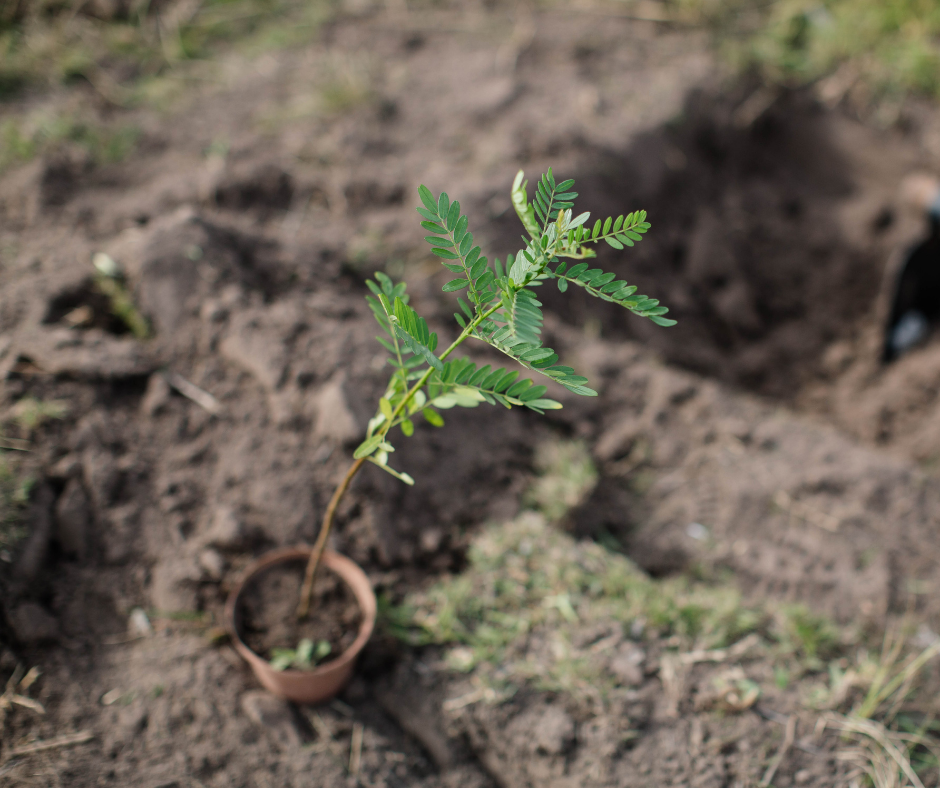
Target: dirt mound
769	244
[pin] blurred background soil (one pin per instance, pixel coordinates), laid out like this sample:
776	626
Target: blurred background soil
248	165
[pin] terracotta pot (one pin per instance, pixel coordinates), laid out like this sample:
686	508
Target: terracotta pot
326	680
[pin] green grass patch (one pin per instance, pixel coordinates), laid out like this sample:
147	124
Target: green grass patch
14	495
884	47
534	602
531	592
123	58
566	477
22	139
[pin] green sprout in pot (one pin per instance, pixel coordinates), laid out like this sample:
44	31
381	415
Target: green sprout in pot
304	657
499	307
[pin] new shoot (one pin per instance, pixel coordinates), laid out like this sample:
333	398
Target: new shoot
498	305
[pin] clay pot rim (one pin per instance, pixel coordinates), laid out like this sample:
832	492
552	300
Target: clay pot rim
341	566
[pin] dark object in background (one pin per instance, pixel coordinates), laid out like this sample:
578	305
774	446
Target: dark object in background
915	306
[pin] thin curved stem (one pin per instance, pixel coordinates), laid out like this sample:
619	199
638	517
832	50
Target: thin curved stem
306	590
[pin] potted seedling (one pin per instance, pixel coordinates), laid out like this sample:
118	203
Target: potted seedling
498	306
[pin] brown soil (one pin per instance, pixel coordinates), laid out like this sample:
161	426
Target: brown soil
772	422
268	611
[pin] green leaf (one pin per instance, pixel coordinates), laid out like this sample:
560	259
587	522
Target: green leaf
408	428
521	386
445	253
520	202
544	404
612	241
492	379
506	381
435	241
413	331
434	227
461	229
523	316
368	446
322	650
478	268
533	392
432	417
468	393
455	284
385	407
304	653
599	281
479	376
536	355
443	205
466	244
485	280
665	322
281	658
427	197
453	215
584	391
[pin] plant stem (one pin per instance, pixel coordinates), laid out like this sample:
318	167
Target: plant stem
316	553
306	590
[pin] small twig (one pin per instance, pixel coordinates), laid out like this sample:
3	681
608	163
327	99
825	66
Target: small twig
803	511
453	704
68	740
355	749
321	727
191	391
788	736
19	682
28	703
720	654
15	444
782	719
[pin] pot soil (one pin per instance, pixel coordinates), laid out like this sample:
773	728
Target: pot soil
261	616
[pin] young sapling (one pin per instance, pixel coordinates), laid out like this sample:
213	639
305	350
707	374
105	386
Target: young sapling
499	307
304	657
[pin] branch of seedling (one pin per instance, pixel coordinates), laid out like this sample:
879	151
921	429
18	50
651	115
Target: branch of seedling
503	312
306	591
